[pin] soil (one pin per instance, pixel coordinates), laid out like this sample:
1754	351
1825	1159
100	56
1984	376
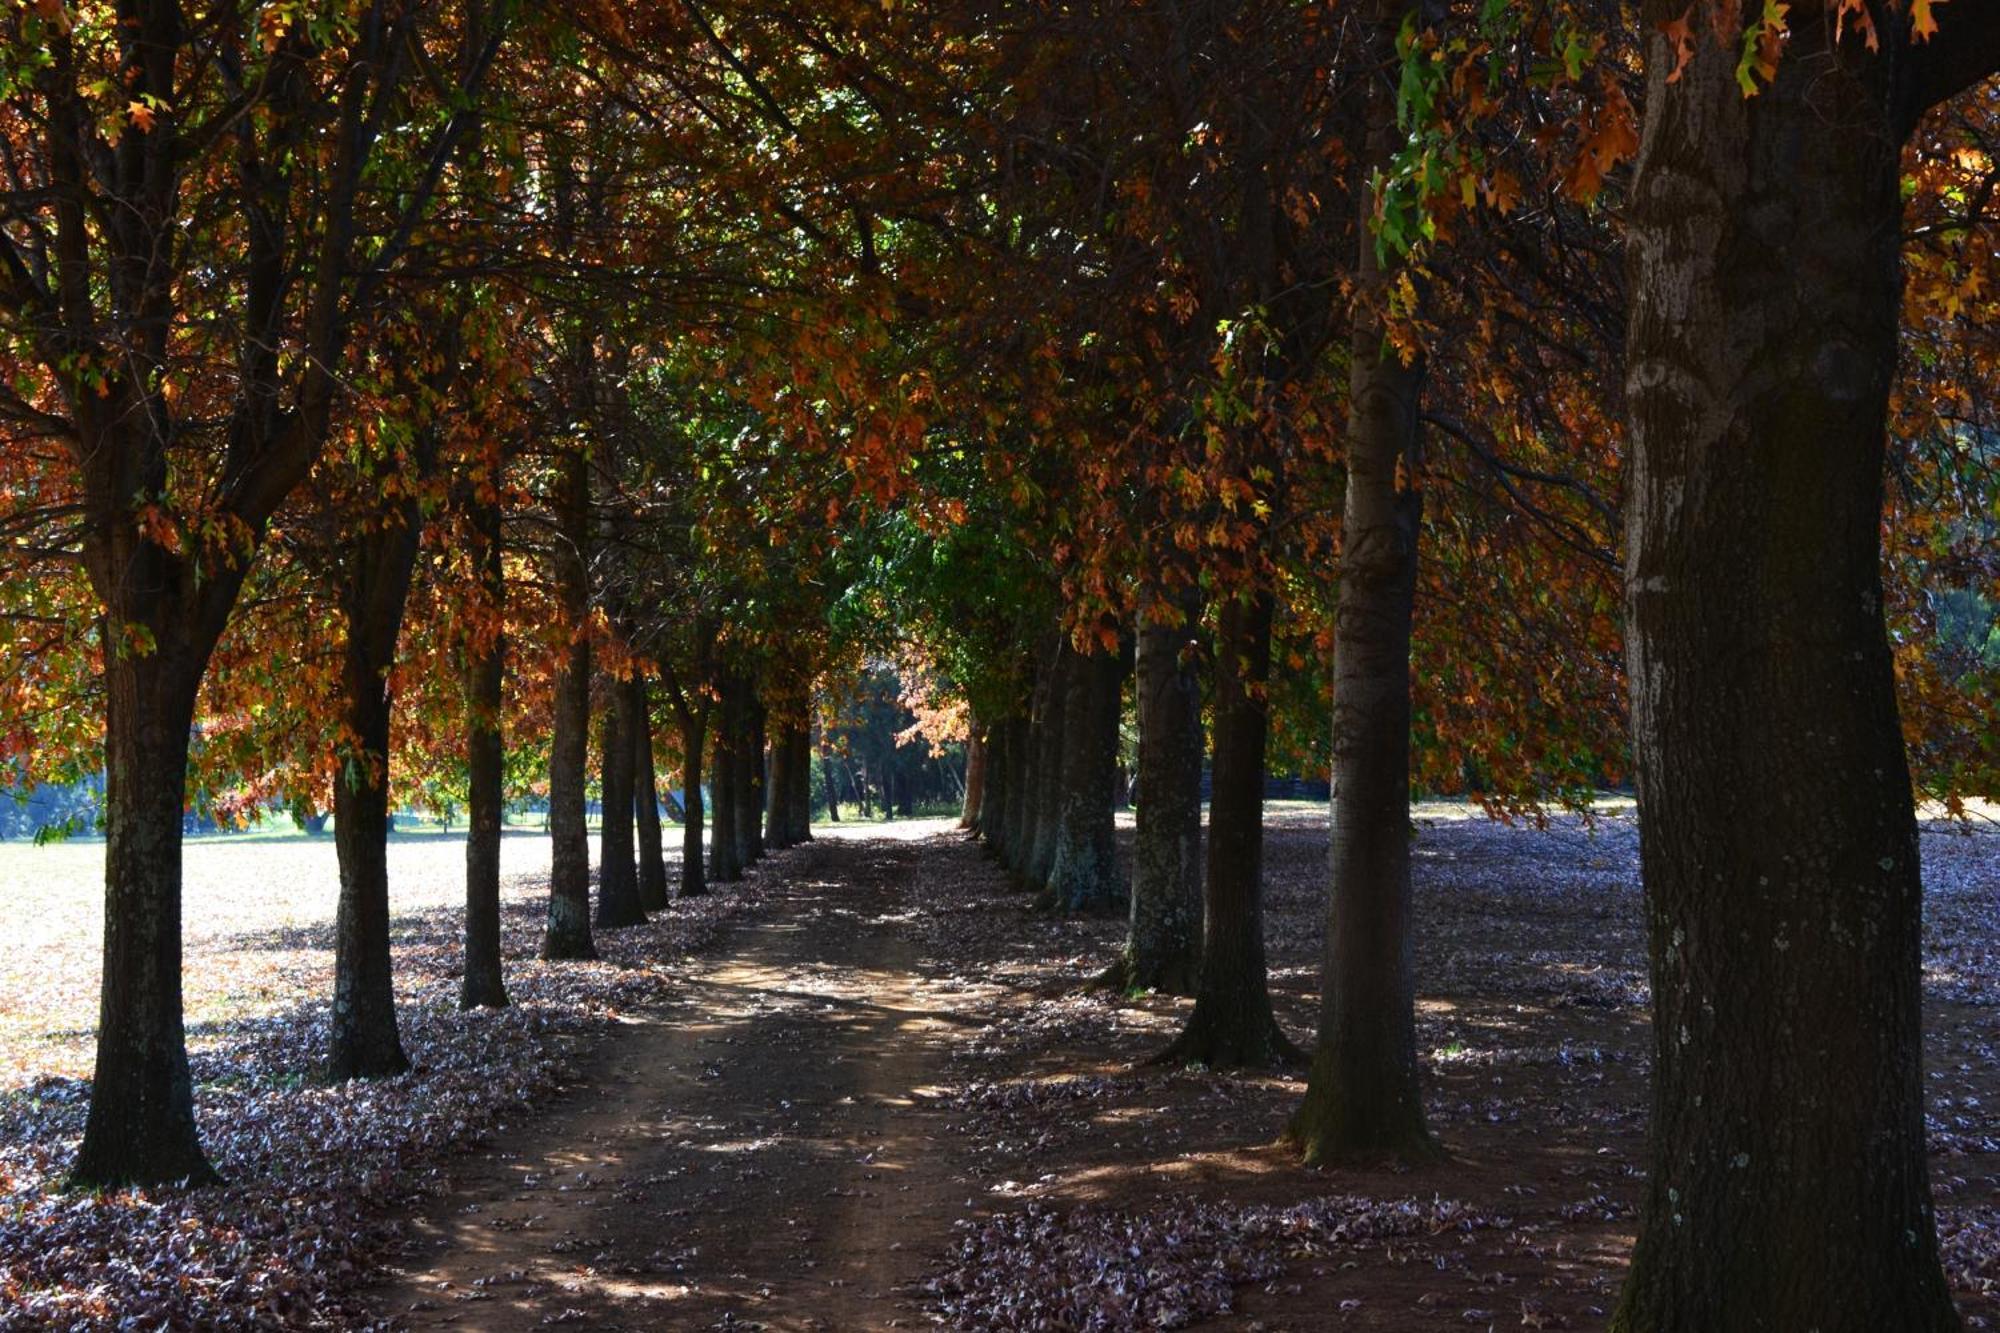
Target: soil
820	1125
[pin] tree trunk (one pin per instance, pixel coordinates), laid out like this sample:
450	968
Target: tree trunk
975	778
374	589
1363	1098
1020	788
1232	1024
141	1127
485	759
646	796
778	815
1045	809
618	869
749	771
568	933
1788	1185
694	727
725	863
1083	874
801	775
995	777
829	774
1163	942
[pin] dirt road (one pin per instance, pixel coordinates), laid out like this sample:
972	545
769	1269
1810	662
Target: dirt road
754	1153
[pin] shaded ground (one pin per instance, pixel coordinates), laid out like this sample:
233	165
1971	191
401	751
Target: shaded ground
867	1089
760	1147
891	1104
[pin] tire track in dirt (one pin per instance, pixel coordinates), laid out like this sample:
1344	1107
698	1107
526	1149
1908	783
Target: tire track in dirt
753	1153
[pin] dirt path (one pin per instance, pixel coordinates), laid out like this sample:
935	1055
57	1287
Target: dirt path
754	1153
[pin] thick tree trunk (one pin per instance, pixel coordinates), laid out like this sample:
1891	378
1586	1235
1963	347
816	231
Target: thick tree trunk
646	796
1232	1024
364	1042
141	1127
363	1039
1083	875
801	775
992	821
618	861
975	778
1020	788
1163	943
777	818
1363	1098
1045	812
1788	1185
374	590
694	879
756	793
725	863
485	758
567	935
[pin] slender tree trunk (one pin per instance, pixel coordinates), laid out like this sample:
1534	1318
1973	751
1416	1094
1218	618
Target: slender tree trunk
1363	1099
141	1127
485	755
1163	943
364	1042
694	880
1232	1023
830	774
1083	875
618	871
568	932
646	796
1789	1186
975	778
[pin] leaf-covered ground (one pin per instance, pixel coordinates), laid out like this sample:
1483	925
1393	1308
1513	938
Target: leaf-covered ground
314	1171
888	1099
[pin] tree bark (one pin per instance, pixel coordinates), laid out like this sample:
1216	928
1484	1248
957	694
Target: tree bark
694	727
1163	941
975	778
725	863
1232	1024
1789	1186
756	787
1363	1097
567	935
1020	786
618	870
830	775
992	821
777	818
141	1127
1083	874
646	797
485	756
374	589
801	794
1045	810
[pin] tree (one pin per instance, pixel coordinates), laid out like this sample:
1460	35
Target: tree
1363	1096
147	151
1789	1184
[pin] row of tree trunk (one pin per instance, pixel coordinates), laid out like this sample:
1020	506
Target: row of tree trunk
1044	798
